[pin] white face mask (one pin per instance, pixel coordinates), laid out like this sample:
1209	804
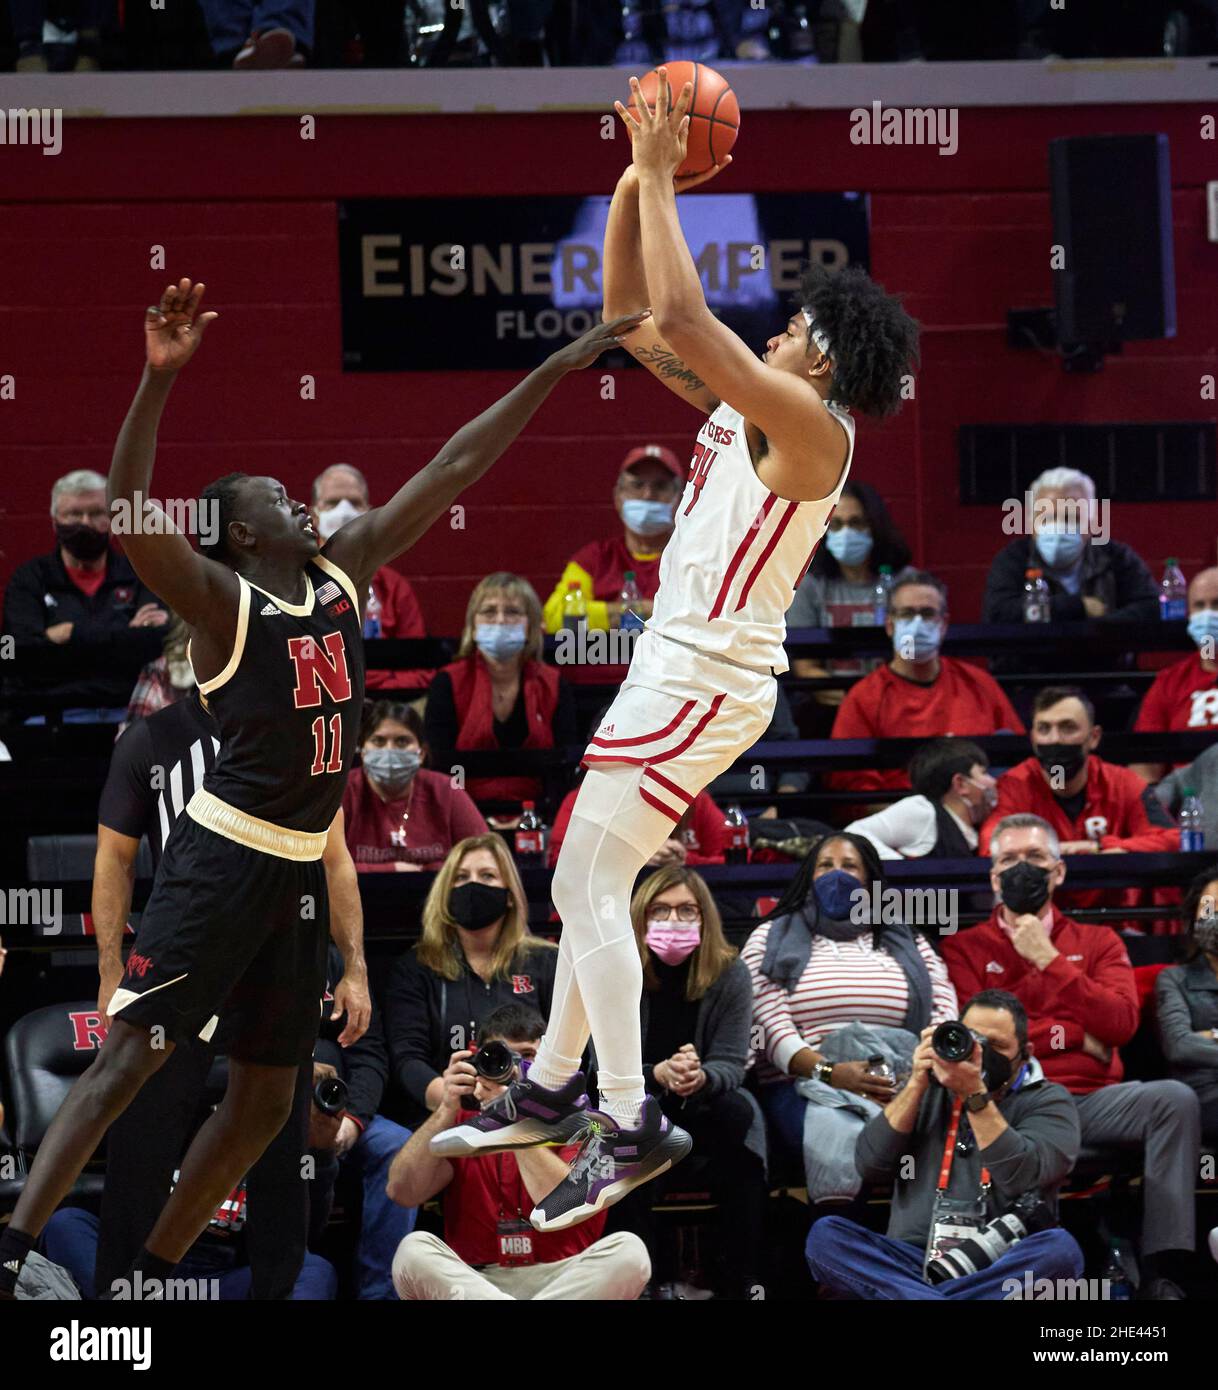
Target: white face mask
337	517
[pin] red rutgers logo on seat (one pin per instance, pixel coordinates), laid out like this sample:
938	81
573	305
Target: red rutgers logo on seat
88	1031
319	664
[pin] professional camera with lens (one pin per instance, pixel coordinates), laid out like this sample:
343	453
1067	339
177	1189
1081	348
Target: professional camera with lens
954	1042
330	1095
1028	1214
495	1062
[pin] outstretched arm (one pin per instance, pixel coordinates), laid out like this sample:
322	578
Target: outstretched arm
792	417
198	589
625	286
372	540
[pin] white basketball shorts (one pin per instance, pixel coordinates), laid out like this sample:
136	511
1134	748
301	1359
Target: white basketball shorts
680	719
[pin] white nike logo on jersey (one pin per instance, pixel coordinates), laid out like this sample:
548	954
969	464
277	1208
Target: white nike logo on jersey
269	610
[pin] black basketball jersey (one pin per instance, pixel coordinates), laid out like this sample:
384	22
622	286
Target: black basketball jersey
289	702
157	766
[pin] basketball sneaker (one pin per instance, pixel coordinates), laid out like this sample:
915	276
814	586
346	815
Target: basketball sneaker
526	1114
611	1162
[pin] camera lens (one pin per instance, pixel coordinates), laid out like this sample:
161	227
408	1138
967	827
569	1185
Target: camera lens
495	1062
330	1095
952	1042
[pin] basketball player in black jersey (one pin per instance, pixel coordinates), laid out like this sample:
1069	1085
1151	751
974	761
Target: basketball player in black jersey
238	918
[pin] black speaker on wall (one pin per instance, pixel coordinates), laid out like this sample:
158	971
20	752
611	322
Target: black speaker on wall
1112	218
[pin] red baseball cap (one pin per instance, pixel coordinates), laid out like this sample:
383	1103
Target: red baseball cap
657	453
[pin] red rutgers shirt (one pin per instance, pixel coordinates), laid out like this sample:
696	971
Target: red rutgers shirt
1119	809
962	700
1184	696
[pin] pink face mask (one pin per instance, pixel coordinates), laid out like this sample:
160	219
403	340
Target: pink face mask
673	943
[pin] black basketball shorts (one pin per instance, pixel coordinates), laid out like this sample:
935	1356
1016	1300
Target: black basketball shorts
232	931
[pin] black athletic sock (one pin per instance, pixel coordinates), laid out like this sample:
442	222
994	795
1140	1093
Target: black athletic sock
14	1247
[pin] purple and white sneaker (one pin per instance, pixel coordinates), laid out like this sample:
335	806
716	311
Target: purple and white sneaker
611	1162
525	1115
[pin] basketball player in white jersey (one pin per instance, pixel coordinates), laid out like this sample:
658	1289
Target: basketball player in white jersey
767	470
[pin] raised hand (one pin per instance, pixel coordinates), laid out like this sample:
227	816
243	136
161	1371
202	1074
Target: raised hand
658	138
174	328
585	350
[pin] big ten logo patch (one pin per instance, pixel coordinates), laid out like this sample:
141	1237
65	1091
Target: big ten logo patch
522	984
88	1031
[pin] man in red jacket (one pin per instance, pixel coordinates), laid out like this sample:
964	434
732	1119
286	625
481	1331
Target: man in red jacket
1077	985
1094	807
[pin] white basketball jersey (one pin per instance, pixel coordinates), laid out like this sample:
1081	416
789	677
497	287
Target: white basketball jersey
738	551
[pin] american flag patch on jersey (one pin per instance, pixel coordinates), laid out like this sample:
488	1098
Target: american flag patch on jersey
328	592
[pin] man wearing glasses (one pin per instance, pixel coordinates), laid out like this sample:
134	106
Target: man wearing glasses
919	693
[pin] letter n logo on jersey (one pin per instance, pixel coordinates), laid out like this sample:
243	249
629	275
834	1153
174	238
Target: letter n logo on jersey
319	664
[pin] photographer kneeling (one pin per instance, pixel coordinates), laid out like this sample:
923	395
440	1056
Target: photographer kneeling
490	1251
978	1148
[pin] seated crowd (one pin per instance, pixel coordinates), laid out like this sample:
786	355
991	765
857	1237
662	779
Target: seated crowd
813	1057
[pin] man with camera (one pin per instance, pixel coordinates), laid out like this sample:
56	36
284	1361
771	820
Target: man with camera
978	1142
489	1250
1077	984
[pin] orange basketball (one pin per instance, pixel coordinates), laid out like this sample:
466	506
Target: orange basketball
714	113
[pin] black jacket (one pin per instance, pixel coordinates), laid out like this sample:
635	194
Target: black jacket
428	1018
1113	573
99	663
364	1066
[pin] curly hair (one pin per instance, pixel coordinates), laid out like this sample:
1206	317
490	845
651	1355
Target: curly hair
872	340
224	495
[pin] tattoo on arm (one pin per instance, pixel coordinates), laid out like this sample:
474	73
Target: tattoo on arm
668	364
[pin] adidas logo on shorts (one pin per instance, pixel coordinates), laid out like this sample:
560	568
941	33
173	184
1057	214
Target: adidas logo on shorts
269	610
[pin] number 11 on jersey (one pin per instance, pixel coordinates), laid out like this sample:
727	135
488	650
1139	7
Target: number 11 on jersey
335	763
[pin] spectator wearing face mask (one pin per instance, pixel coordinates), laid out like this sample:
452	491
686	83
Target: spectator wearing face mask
953	794
399	815
839	588
499	693
919	694
81	613
645	497
1185	694
1094	807
1186	998
490	1251
1077	985
1089	575
475	954
697	1007
819	965
340	494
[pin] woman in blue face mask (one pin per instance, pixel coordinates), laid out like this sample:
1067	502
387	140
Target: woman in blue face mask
398	815
822	963
839	591
499	694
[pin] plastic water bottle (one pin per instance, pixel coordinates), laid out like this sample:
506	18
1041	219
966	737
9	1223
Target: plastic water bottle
879	1067
530	841
629	619
1192	832
737	851
1173	593
372	614
574	609
1036	596
879	599
1120	1287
